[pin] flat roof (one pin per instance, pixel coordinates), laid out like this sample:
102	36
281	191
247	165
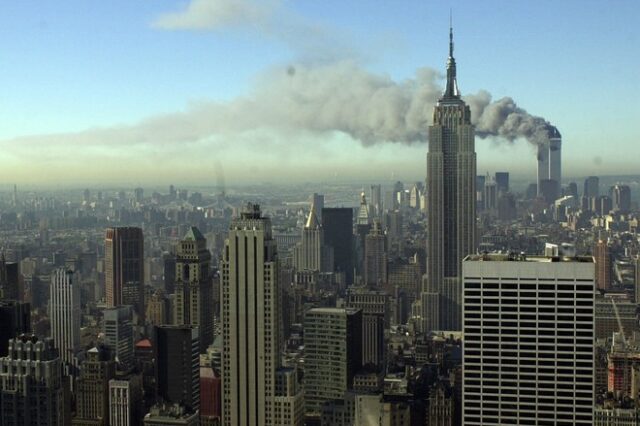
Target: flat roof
512	257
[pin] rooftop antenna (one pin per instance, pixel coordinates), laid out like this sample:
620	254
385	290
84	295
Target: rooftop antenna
450	32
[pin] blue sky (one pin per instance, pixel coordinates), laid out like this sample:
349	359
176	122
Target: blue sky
82	70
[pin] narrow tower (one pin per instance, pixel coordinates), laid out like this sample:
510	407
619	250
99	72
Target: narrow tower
250	313
193	286
451	174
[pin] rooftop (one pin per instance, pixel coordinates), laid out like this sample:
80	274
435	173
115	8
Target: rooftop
519	257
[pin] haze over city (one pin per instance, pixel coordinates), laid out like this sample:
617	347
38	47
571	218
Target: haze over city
280	90
319	213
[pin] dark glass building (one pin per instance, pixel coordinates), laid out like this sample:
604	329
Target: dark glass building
338	233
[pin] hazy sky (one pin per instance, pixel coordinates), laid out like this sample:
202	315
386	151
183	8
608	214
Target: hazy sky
159	91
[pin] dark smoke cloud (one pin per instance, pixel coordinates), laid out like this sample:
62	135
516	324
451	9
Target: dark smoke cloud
505	119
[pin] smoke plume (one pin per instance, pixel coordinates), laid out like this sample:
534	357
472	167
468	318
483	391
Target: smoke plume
374	108
319	99
505	119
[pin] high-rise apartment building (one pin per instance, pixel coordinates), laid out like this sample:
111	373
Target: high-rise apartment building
602	256
31	384
118	334
528	351
338	234
92	388
124	268
332	354
64	313
451	204
250	320
177	354
194	287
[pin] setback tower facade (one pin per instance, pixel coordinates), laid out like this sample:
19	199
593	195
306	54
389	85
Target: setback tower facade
451	204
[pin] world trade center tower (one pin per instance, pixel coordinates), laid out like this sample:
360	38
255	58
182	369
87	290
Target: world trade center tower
451	214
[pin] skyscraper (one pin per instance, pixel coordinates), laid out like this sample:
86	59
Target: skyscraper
118	334
317	204
591	187
124	268
15	319
363	226
375	200
250	315
621	197
375	257
451	204
333	354
31	384
602	257
338	234
375	309
92	400
9	280
549	160
64	313
125	396
177	353
311	254
637	279
528	353
502	180
194	287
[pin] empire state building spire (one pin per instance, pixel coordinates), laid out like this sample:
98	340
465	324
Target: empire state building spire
451	91
451	205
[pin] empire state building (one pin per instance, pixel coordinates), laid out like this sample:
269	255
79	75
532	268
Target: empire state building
451	214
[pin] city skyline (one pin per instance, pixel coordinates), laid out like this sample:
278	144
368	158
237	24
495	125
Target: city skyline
126	83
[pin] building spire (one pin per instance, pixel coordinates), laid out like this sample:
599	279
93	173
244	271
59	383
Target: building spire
452	86
450	34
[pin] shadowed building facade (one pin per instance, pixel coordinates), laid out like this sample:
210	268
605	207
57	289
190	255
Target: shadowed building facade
194	287
124	268
451	204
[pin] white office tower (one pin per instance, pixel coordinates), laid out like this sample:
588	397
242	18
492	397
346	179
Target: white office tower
550	159
250	314
528	351
64	313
